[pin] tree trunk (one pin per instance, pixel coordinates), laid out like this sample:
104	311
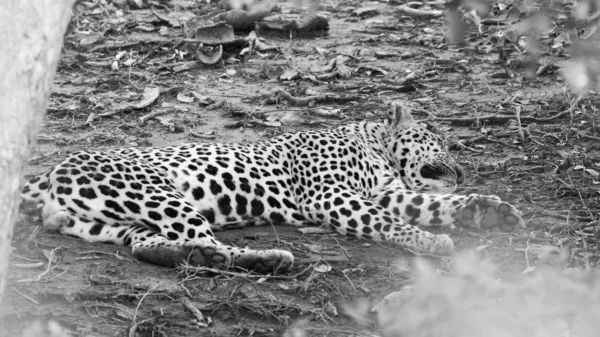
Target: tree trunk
31	35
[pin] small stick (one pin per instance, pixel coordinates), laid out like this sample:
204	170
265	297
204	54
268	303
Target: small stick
36	230
114	46
461	146
115	255
28	265
134	325
152	114
350	281
518	115
117	110
216	105
245	275
501	118
59	275
497	141
343	332
48	268
304	101
23	258
418	12
25	296
197	313
583	135
542	69
186	66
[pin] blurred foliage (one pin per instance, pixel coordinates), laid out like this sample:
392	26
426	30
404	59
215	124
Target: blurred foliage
471	302
566	27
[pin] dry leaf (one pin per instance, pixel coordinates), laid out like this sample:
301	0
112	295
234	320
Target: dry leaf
323	268
181	97
594	173
149	96
90	39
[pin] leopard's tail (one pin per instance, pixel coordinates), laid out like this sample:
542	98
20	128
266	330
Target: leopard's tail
36	188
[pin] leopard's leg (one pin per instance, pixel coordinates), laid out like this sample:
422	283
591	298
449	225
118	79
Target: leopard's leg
478	211
159	225
212	253
151	246
351	214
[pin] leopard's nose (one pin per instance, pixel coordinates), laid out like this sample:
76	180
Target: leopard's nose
460	174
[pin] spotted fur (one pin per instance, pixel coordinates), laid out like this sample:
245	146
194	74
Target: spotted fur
368	180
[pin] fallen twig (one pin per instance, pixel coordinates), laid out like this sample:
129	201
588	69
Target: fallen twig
43	157
497	141
583	135
49	268
152	114
340	331
115	46
439	62
59	275
23	257
186	66
115	255
27	265
530	136
518	116
188	267
197	313
542	69
217	104
419	12
304	101
483	138
25	296
367	88
461	146
134	325
501	118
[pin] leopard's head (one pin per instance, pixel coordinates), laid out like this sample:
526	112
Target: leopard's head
420	156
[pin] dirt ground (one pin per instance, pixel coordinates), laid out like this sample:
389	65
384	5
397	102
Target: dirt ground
546	161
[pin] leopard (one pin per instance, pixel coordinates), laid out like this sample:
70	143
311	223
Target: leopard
384	181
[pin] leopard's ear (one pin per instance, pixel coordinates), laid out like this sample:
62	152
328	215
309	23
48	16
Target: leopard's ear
400	115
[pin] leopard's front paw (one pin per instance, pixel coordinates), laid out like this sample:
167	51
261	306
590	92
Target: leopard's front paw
442	245
490	212
54	221
266	261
